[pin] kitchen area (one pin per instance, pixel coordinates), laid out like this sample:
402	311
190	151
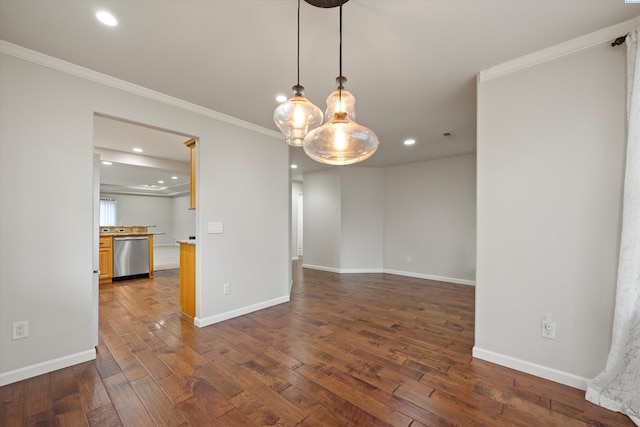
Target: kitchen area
147	176
126	252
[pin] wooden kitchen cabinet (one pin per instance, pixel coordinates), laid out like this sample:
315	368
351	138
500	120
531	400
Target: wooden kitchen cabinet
191	144
106	258
188	280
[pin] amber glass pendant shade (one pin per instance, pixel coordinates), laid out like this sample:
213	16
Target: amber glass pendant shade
340	141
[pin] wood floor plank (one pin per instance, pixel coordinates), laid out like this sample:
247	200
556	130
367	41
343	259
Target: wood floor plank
92	392
37	393
356	397
104	416
67	402
196	414
130	409
12	401
175	389
157	404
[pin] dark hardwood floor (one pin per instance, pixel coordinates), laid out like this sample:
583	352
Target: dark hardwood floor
353	349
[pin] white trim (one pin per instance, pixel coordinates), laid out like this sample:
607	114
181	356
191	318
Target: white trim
579	43
295	258
396	272
200	323
85	73
531	368
431	277
46	367
361	270
343	271
320	267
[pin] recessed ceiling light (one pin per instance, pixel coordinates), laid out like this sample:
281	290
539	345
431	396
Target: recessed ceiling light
294	166
174	177
106	18
160	182
409	141
137	150
281	98
107	163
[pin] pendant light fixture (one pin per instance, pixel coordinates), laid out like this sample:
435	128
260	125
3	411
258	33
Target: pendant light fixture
340	100
340	141
297	116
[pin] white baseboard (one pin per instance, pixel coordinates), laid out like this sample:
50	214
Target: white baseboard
46	367
431	277
322	268
200	323
531	368
345	270
361	270
396	272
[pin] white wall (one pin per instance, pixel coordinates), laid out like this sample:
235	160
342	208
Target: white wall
322	219
46	235
46	129
252	202
296	190
146	210
362	220
550	166
430	216
183	222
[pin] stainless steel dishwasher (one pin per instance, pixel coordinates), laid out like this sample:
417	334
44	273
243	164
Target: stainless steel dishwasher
130	257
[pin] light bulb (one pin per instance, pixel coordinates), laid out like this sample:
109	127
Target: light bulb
296	117
340	139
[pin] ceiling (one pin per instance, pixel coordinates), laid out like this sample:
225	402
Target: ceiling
411	64
161	169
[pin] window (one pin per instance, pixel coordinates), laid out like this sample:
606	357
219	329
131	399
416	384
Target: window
108	212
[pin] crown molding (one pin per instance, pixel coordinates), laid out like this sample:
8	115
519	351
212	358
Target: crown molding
88	74
579	43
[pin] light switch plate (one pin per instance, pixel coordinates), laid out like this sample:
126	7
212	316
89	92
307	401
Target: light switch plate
215	228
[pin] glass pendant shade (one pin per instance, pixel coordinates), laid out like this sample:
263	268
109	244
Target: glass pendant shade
296	117
340	100
337	102
340	141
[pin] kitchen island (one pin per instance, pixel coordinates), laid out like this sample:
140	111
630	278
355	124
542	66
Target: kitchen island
107	235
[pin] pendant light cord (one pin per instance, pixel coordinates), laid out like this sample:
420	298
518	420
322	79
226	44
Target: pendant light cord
340	62
299	43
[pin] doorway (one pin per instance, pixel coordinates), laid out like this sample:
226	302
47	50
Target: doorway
300	228
147	171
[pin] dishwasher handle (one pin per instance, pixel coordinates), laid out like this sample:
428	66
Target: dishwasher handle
132	238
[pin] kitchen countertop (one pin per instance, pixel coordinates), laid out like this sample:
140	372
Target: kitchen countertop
187	242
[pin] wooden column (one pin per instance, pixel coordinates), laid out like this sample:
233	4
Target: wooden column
192	146
188	280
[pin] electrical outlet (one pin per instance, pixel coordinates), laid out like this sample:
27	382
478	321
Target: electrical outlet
548	328
408	259
20	330
226	288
